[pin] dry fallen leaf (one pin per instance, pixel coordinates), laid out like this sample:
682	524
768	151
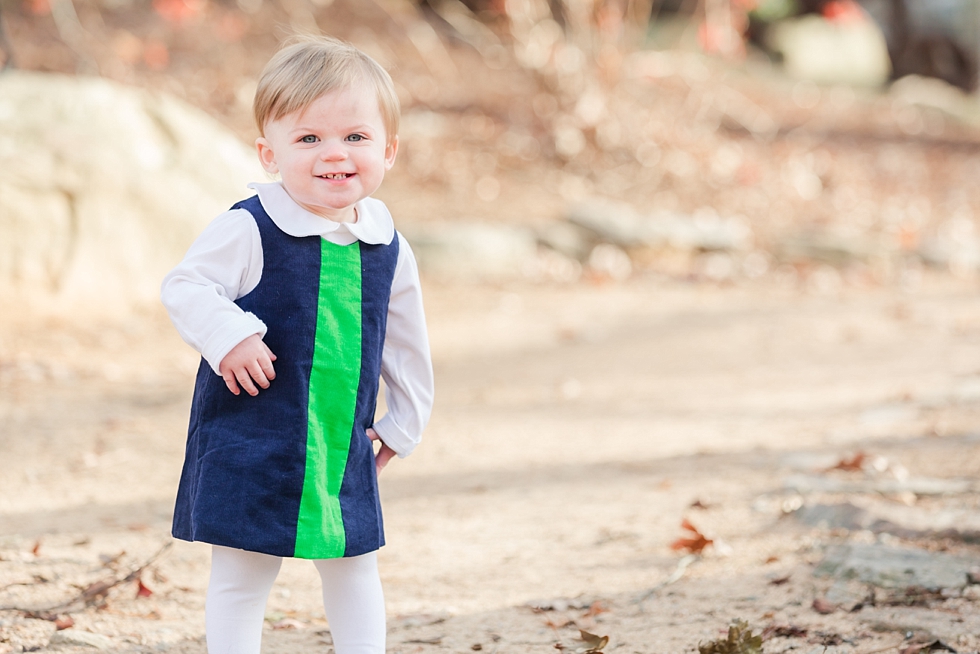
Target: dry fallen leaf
739	641
559	623
853	464
779	581
783	631
695	543
591	644
64	622
931	646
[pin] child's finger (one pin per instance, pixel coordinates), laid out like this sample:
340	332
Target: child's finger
269	352
230	382
373	435
246	382
383	457
258	374
266	366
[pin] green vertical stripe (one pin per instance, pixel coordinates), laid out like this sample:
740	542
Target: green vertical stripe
333	392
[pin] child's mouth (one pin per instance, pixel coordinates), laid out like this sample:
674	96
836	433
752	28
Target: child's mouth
336	176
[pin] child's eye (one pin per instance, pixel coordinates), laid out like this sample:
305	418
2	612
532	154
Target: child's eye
309	138
355	137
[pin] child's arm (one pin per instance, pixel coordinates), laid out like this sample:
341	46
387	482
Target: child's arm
406	365
223	264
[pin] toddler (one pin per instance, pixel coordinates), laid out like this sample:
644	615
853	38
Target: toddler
302	296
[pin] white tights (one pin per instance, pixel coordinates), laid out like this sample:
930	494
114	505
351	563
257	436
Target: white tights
240	584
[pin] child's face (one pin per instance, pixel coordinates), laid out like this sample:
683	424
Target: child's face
331	154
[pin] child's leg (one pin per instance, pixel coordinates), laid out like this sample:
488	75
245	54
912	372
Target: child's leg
237	593
354	602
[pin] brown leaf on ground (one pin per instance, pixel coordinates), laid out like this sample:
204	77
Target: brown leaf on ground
595	643
739	641
590	644
935	645
559	624
595	609
783	631
693	544
37	548
823	607
853	464
64	622
779	581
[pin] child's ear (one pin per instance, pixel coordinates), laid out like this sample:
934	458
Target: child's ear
391	151
266	156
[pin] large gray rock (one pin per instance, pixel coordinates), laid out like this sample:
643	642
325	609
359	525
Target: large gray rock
103	188
896	567
473	251
620	224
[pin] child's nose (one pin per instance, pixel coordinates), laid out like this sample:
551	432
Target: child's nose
333	151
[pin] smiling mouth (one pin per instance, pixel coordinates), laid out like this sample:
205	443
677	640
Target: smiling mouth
336	176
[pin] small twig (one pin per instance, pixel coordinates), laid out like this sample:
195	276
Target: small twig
678	572
91	592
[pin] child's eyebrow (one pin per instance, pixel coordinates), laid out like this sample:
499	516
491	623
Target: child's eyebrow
313	128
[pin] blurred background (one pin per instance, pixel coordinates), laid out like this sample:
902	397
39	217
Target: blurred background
723	139
701	282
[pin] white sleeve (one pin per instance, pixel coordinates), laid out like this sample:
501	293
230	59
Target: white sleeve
406	365
222	265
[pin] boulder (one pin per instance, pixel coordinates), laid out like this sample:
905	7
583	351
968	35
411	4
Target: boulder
620	224
473	250
104	188
895	567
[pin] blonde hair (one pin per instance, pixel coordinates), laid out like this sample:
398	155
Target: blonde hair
310	66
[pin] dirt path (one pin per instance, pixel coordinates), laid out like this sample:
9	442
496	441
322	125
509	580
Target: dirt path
575	428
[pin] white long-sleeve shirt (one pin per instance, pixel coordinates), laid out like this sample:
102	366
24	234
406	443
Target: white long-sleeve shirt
225	263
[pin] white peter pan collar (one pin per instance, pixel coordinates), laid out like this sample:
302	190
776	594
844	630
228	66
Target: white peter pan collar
374	225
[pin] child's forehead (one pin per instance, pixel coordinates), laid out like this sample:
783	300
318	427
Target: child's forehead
360	98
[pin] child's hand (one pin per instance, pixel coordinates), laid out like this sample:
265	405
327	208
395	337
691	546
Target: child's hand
250	359
384	454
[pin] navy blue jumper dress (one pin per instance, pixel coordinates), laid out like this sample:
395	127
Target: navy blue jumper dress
291	471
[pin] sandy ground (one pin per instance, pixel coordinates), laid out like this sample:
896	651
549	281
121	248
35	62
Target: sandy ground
575	428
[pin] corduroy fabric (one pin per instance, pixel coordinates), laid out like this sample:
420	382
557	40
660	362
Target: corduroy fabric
246	457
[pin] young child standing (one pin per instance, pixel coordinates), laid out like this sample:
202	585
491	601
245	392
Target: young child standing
302	296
